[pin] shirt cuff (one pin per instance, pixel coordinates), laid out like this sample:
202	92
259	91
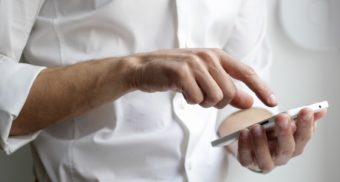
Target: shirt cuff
15	83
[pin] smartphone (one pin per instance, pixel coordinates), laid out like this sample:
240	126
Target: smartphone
268	123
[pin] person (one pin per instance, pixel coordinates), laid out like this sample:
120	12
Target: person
111	90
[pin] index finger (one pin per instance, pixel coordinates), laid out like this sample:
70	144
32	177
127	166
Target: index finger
246	74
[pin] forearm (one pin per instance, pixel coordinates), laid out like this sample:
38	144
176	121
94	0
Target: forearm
59	93
240	119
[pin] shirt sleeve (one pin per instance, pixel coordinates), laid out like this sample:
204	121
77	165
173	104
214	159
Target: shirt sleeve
248	43
16	22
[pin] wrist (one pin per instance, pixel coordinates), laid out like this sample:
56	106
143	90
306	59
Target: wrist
130	67
112	77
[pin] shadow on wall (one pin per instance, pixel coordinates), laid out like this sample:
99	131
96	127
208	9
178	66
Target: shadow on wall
16	167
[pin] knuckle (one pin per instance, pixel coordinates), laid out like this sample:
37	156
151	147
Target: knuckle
196	99
218	96
183	71
208	56
194	61
207	52
204	53
249	72
230	93
225	101
215	97
192	58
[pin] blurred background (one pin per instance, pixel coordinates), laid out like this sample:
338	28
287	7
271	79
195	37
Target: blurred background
304	71
304	75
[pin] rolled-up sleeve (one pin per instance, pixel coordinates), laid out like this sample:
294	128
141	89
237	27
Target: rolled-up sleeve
16	79
248	43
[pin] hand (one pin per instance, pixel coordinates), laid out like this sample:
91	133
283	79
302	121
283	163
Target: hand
261	150
204	76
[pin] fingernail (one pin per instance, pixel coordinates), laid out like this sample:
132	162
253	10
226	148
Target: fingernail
272	99
284	123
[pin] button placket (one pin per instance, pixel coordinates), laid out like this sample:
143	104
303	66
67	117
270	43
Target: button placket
180	107
182	20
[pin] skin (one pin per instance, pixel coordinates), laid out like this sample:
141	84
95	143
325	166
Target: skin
204	76
263	150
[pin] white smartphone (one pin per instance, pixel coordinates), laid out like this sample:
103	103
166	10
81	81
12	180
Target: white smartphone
269	122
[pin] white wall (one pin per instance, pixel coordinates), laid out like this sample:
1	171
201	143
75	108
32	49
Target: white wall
303	77
299	77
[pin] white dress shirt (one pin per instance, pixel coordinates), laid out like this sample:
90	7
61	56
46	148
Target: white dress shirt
140	136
